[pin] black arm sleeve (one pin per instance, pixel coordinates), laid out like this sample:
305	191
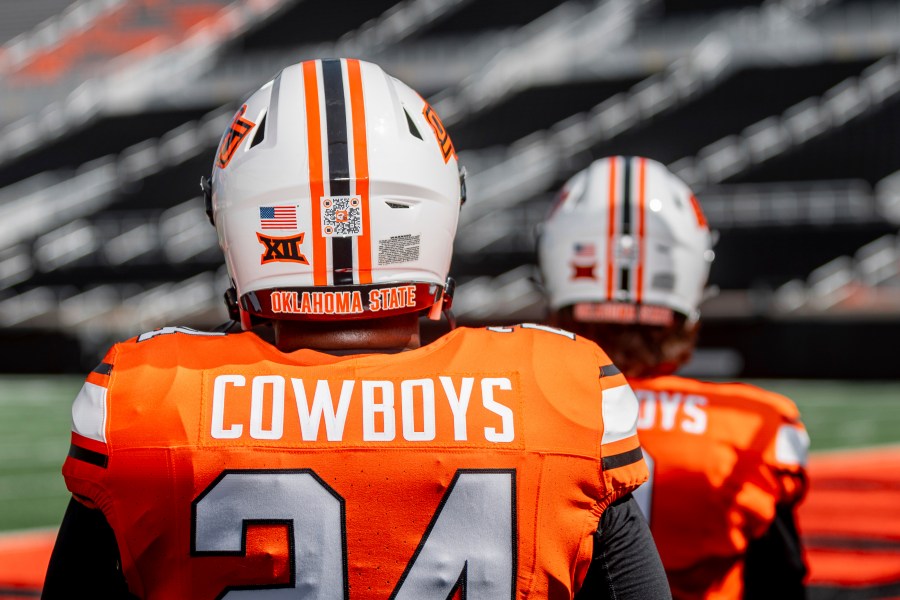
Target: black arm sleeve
626	565
85	560
774	566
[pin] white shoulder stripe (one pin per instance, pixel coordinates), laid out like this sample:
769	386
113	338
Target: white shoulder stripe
791	445
89	412
620	414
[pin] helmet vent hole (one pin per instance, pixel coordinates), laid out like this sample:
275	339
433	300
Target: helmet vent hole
397	205
412	126
664	282
260	132
576	197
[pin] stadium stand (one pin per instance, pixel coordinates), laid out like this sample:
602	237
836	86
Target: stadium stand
781	114
784	115
21	20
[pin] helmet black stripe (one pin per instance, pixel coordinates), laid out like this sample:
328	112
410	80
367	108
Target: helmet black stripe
625	273
338	162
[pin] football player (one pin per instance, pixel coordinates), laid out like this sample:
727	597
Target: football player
625	255
343	459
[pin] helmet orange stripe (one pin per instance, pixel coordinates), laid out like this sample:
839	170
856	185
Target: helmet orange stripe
316	185
361	166
642	218
698	211
610	270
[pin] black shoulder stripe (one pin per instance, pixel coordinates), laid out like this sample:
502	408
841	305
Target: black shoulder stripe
17	592
88	456
609	370
103	368
620	460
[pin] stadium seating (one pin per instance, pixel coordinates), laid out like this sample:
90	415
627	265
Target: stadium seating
783	115
775	112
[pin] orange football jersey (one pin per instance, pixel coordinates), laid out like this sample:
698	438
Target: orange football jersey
721	457
480	464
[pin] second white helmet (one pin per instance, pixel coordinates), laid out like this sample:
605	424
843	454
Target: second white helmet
335	194
626	241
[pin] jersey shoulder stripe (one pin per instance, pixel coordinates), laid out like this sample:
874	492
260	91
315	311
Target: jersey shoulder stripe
620	413
90	412
622	459
792	445
79	450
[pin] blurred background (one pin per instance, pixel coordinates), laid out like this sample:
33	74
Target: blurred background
783	116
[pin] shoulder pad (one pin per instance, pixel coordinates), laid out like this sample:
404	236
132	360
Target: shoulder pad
177	329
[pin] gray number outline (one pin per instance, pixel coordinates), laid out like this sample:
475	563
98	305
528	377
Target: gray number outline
288	523
460	583
462	579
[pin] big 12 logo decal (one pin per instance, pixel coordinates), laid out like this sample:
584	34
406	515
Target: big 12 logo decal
282	249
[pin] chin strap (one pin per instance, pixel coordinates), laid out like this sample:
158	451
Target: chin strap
444	303
231	303
235	313
434	313
206	190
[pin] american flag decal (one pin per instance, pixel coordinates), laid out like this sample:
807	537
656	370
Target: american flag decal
278	217
585	250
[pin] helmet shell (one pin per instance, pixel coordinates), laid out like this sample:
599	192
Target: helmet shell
335	178
626	232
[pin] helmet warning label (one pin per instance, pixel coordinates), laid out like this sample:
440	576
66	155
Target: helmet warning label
398	249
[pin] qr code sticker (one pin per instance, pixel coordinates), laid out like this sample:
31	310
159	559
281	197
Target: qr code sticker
341	216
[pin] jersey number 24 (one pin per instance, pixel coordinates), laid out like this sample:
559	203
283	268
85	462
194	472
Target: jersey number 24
469	543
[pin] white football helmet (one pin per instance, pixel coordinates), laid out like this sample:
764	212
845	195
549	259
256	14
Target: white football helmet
335	194
626	242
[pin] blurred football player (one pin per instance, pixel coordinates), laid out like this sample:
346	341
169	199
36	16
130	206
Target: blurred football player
625	255
342	460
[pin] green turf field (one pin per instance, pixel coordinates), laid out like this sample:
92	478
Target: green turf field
841	414
35	423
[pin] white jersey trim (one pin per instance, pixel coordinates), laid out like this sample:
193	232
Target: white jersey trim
620	414
791	445
89	412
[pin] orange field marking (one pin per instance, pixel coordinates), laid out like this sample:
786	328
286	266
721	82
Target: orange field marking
850	521
23	560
